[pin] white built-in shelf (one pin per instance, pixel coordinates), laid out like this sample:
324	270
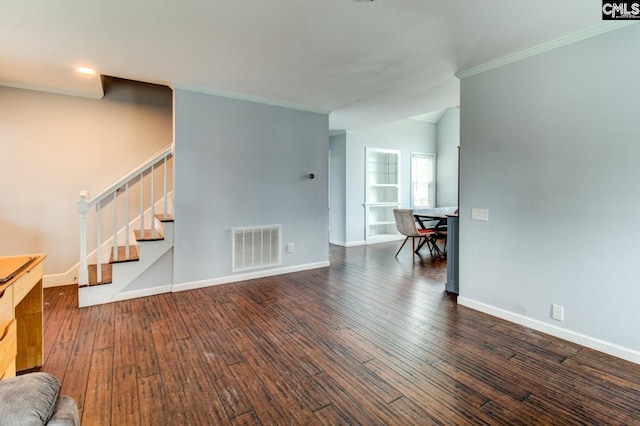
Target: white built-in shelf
382	194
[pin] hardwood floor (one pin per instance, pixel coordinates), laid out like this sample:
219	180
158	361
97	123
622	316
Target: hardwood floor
370	340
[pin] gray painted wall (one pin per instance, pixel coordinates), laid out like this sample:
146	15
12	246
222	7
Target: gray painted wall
338	151
240	163
447	158
549	146
52	146
406	135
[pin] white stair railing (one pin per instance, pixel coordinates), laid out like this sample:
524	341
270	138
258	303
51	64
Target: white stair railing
107	205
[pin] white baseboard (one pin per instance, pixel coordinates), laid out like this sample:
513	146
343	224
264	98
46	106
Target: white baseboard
562	333
58	280
249	276
144	292
387	239
349	244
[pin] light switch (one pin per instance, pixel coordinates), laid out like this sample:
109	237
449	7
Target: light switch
480	214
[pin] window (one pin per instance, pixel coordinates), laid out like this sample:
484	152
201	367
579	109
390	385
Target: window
423	180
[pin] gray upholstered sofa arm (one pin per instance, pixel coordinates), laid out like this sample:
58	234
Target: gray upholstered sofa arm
33	399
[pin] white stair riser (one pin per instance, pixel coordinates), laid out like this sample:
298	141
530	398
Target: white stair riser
125	273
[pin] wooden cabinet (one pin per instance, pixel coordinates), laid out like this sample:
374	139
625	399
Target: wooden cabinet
382	194
20	314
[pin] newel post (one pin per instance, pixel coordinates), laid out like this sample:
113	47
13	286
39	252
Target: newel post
83	208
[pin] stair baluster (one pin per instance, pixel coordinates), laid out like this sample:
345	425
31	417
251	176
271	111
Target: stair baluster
153	199
115	226
127	250
165	210
98	238
142	203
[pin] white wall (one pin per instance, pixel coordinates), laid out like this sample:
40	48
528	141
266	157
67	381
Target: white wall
338	161
448	136
52	146
240	163
406	135
549	146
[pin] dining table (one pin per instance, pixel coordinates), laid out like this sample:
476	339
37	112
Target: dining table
436	222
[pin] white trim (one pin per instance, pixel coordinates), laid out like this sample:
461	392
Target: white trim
379	239
364	243
248	98
249	276
147	165
349	244
59	280
144	292
544	47
34	87
562	333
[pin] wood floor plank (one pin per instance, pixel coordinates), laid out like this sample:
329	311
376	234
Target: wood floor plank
372	339
233	400
350	403
200	387
58	302
297	401
153	407
104	333
442	404
171	373
146	358
174	322
125	405
97	403
74	382
257	393
529	414
330	416
246	419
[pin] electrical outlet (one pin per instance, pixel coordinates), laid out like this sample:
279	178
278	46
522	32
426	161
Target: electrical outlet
557	312
290	248
480	214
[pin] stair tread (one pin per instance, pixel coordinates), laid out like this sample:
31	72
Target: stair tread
122	250
147	235
164	217
106	274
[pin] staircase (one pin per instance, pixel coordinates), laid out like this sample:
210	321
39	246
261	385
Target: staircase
127	234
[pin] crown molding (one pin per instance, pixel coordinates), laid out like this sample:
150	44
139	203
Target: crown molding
544	47
57	91
255	99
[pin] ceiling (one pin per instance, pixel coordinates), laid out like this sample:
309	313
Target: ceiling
367	62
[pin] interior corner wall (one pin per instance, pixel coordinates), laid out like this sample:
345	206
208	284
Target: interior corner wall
405	135
53	146
240	163
549	145
447	158
338	162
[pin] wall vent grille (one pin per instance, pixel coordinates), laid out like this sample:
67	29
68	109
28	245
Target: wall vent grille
255	247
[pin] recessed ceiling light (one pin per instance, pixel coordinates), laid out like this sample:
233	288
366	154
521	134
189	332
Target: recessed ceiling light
86	70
